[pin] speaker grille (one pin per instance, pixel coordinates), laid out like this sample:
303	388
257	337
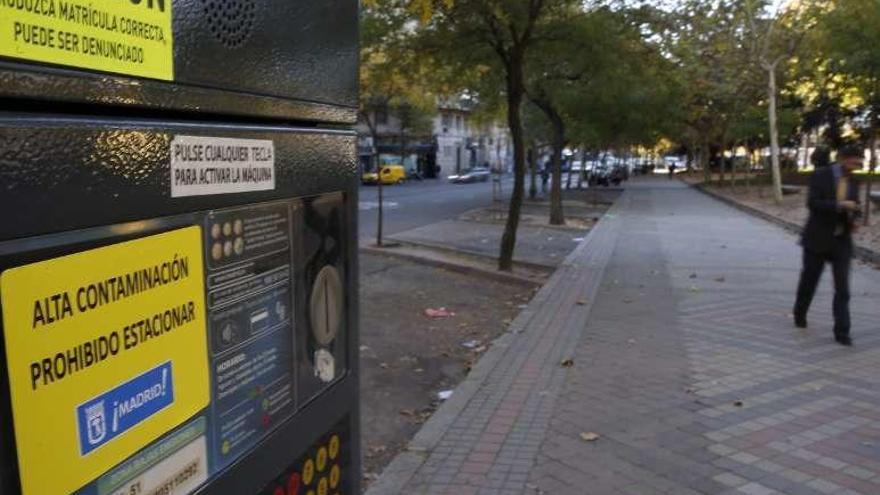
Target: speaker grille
230	21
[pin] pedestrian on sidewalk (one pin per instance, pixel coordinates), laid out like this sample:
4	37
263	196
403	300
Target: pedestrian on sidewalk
827	237
671	171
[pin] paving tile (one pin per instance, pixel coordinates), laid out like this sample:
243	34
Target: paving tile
693	386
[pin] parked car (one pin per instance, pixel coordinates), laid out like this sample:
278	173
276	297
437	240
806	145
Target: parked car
391	174
618	175
476	174
600	175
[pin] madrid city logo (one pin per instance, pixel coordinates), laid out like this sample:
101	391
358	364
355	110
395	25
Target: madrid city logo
96	419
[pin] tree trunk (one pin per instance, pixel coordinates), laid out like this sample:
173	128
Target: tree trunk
568	177
557	217
580	183
380	194
774	135
871	170
514	121
733	168
749	162
533	172
707	161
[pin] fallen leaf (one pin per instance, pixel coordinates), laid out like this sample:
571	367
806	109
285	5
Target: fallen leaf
720	279
582	302
589	436
693	275
694	288
377	449
444	394
690	391
738	403
418	370
627	301
567	363
438	313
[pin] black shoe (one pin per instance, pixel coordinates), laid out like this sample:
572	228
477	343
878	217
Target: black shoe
800	321
843	340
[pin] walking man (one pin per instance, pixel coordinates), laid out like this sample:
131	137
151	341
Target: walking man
827	237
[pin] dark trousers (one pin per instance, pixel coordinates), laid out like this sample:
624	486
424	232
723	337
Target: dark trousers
814	263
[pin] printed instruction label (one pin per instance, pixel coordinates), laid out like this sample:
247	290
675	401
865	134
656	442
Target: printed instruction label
104	344
110	414
178	474
213	165
132	37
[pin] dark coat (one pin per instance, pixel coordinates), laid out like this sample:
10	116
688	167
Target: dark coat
818	235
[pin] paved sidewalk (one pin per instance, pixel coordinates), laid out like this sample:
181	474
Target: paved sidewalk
675	312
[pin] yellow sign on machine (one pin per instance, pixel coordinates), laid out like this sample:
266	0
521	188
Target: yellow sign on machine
106	351
131	37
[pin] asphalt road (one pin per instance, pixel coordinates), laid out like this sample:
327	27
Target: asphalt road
418	203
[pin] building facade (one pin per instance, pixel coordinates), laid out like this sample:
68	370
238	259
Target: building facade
454	144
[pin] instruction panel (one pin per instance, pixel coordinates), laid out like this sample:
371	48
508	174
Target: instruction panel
250	308
202	165
132	37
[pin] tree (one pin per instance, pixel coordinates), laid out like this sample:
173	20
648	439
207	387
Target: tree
850	35
493	33
390	80
775	32
553	68
705	42
590	67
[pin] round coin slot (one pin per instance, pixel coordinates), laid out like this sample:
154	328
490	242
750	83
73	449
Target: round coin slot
326	305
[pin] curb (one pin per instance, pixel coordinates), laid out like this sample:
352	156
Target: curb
860	252
560	228
404	466
497	276
531	265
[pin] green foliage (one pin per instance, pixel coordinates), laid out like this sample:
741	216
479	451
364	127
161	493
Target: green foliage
392	76
849	40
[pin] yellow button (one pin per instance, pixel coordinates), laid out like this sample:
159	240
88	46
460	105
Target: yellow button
322	486
308	472
334	476
321	459
334	447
